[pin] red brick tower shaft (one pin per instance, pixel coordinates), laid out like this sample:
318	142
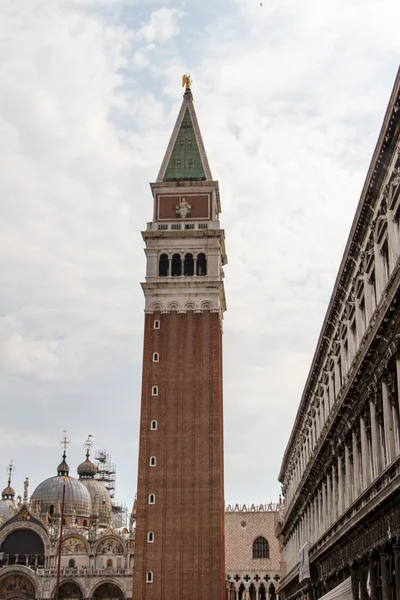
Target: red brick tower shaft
179	547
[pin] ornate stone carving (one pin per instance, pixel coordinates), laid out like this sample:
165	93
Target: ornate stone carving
183	209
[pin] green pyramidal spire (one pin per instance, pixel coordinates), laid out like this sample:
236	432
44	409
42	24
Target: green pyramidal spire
185	159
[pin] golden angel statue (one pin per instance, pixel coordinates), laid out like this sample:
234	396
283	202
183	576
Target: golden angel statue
186	80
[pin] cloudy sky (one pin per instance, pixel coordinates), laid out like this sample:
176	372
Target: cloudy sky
290	98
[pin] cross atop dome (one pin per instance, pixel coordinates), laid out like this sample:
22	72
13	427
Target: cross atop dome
8	492
185	158
63	468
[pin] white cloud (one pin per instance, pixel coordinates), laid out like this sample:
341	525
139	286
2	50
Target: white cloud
162	25
290	98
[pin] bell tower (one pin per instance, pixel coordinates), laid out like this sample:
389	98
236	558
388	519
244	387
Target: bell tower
179	547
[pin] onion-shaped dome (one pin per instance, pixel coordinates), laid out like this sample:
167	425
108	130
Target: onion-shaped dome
87	470
7	495
101	501
48	495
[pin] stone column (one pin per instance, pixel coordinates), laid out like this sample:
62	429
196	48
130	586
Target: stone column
324	508
373	579
340	486
169	266
328	501
356	465
331	391
326	402
388	424
376	443
338	382
365	454
363	567
334	495
398	382
355	580
348	477
396	553
385	574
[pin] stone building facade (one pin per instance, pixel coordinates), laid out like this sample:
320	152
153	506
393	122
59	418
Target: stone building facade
252	550
341	468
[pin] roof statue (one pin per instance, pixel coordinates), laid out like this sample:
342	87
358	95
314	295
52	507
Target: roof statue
186	80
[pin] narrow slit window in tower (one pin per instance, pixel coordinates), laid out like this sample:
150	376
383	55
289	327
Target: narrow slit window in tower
153	461
153	425
152	498
156	357
149	577
154	390
156	324
150	537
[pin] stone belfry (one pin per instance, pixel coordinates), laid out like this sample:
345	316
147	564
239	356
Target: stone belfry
179	547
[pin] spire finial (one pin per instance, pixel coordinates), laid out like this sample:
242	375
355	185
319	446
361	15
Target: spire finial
10	469
88	445
63	468
187	80
65	442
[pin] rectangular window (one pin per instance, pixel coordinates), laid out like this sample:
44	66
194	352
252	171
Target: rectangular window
176	226
203	225
162	226
189	226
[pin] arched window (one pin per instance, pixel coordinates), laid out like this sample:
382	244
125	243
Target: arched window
156	324
176	267
156	357
149	577
150	537
71	563
154	390
109	563
153	425
201	264
163	265
188	265
153	461
260	548
152	498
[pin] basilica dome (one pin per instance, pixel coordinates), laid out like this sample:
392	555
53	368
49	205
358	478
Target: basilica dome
100	498
48	496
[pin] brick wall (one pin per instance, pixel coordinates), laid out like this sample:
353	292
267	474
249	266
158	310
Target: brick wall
187	557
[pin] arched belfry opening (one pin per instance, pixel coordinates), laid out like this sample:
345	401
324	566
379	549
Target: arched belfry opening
188	267
176	266
201	264
163	265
